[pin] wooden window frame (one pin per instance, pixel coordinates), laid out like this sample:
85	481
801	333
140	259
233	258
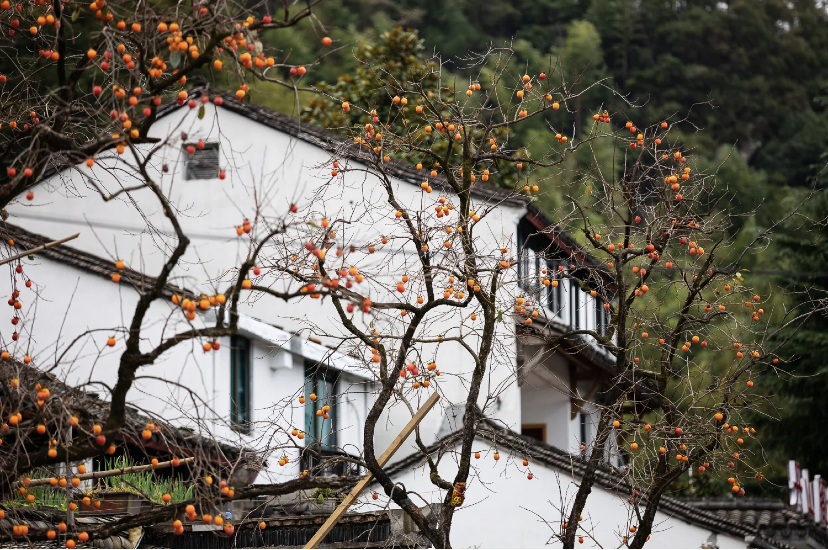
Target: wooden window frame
541	427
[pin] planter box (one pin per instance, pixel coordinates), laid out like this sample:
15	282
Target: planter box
324	508
118	504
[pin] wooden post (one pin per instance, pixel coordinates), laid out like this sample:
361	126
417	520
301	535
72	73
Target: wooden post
70	515
37	249
382	460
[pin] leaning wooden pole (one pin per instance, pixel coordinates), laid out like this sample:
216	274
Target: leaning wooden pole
386	456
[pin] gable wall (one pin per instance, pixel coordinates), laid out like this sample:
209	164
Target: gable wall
504	509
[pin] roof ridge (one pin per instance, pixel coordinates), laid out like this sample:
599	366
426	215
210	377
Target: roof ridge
178	438
333	142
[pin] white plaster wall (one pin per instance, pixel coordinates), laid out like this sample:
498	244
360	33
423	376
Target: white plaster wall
278	170
504	509
546	405
543	402
355	399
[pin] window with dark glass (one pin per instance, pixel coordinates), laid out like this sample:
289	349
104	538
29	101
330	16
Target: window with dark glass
535	431
575	307
320	421
555	294
202	164
240	382
529	269
601	317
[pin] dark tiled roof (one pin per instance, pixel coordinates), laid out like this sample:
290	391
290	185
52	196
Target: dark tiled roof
567	244
382	529
334	143
606	478
89	408
41	519
767	517
26	240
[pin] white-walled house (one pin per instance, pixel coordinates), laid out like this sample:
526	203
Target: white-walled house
253	381
263	152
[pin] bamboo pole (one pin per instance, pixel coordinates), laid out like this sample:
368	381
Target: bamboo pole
115	472
37	249
389	452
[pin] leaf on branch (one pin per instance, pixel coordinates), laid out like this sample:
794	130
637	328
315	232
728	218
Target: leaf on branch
312	224
30	257
499	316
75	15
176	58
588	189
201	112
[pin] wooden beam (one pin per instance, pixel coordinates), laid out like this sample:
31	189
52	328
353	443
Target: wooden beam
363	483
37	249
574	397
581	401
528	366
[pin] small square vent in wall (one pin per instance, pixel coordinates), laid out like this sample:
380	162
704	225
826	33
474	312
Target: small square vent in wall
203	164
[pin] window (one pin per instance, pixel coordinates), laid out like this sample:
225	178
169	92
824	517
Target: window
555	296
601	317
203	164
240	383
575	306
320	425
535	431
532	263
529	269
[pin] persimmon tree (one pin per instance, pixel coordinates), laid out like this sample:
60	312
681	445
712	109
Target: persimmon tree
687	331
102	70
